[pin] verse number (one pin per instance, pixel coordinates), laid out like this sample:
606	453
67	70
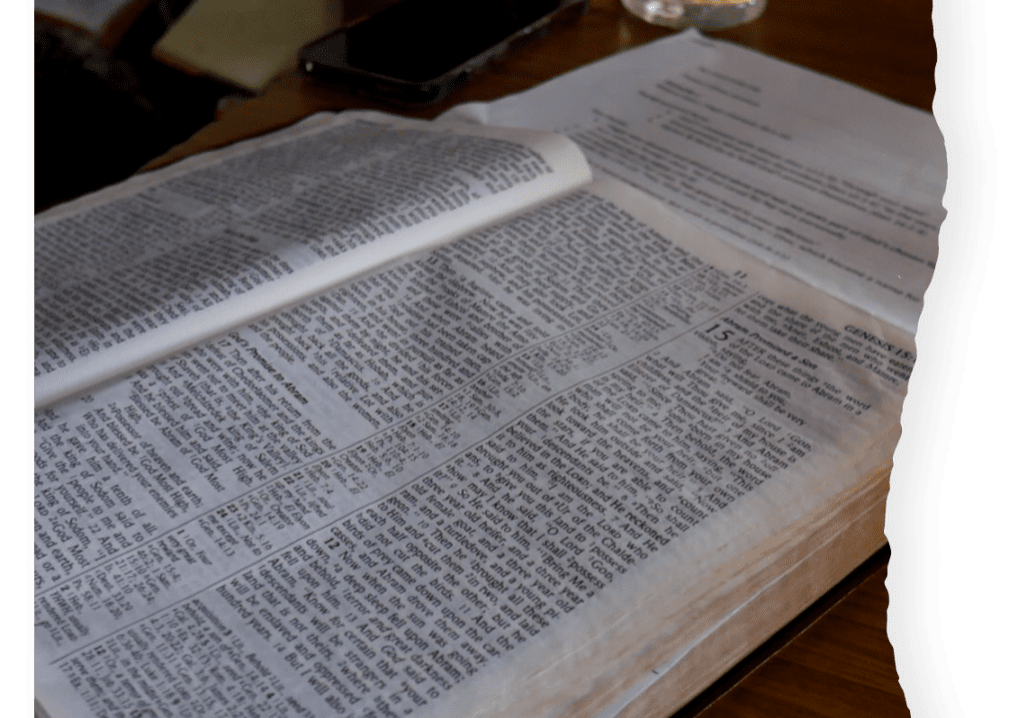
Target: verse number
721	334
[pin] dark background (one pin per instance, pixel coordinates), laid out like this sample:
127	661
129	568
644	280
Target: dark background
101	114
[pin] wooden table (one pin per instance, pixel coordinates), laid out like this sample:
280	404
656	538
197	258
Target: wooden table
879	45
835	659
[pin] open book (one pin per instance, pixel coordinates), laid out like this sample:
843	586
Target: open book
381	417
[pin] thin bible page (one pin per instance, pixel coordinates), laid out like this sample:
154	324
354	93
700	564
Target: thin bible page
168	259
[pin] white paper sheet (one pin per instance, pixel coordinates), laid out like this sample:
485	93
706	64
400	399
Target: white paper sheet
829	183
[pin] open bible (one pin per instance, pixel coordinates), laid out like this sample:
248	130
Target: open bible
375	417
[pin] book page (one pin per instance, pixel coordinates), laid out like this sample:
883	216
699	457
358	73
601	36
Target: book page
167	259
495	479
832	184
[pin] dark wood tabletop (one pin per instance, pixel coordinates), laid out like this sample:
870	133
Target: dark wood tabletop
882	46
835	659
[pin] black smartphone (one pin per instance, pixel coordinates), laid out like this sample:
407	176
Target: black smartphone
418	51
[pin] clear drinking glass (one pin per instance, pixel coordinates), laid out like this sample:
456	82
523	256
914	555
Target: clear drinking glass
703	14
